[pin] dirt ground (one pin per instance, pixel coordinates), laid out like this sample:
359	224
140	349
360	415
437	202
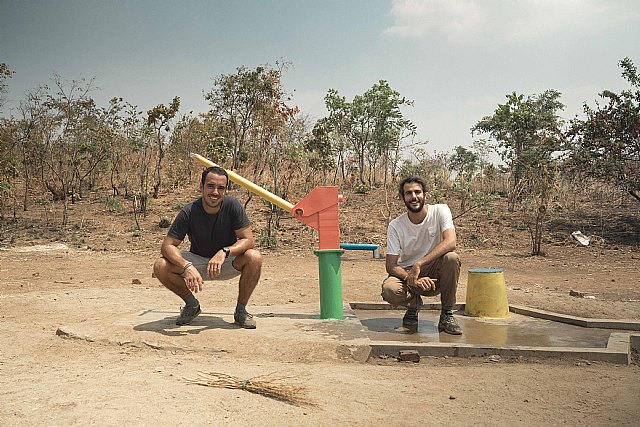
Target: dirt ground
48	380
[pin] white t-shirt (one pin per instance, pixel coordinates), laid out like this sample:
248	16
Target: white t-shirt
413	241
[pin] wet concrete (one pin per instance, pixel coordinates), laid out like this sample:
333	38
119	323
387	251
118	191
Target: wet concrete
515	330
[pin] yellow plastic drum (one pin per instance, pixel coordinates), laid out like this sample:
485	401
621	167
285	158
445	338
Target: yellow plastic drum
486	293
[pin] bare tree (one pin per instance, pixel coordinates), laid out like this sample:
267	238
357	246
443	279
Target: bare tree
159	118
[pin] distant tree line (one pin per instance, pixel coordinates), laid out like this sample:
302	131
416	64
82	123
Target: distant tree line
60	142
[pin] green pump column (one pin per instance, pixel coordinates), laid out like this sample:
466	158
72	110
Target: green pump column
330	283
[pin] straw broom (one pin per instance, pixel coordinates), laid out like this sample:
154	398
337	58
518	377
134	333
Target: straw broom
270	385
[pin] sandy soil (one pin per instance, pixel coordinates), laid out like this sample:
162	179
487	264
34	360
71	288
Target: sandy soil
88	273
47	380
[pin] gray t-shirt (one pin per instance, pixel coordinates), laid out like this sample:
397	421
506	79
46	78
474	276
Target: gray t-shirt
209	233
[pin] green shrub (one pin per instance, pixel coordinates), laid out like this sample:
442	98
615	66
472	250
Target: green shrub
165	222
362	189
112	204
267	240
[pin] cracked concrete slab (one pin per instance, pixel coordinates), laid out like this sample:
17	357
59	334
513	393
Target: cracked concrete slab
292	332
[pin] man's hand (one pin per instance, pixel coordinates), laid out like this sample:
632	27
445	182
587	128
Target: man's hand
426	284
420	283
215	264
411	280
413	277
192	279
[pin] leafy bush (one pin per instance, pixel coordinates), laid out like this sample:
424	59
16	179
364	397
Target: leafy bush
112	204
267	239
362	189
165	222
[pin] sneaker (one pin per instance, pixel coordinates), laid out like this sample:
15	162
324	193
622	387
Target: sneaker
187	314
449	324
244	320
410	319
415	302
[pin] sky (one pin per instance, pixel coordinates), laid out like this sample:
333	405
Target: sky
455	59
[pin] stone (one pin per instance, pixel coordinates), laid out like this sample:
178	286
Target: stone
409	356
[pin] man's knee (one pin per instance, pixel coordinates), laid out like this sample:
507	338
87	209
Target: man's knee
389	295
392	291
451	260
160	269
254	257
257	255
251	259
159	266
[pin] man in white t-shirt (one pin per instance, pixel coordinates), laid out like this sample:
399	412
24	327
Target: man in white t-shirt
421	259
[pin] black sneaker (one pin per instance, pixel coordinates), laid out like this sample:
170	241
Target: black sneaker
416	302
410	319
449	324
244	320
187	314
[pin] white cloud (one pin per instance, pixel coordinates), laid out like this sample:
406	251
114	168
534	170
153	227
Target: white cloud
501	21
417	18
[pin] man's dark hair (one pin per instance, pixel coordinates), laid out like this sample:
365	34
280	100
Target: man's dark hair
217	170
411	179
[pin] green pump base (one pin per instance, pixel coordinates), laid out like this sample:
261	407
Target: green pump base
330	269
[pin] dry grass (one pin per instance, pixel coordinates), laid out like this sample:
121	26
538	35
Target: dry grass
271	385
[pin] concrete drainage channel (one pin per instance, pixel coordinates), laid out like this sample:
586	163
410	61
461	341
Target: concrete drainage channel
525	332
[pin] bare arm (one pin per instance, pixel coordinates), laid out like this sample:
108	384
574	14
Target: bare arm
171	252
393	269
448	244
244	243
412	278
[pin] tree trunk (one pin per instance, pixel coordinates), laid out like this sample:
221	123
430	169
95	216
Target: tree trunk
156	186
536	235
26	180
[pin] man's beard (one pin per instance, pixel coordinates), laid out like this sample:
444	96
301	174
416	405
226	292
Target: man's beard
211	204
415	210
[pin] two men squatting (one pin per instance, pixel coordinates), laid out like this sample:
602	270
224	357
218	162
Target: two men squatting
420	258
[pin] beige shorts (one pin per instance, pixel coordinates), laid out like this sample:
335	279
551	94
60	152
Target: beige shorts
227	271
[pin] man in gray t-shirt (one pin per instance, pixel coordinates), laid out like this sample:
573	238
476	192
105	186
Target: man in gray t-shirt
221	248
420	257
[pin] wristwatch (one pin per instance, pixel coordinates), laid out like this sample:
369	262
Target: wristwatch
226	251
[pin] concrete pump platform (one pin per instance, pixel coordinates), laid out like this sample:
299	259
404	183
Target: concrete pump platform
295	332
525	332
